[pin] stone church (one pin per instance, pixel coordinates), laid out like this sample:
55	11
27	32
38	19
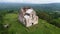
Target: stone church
28	17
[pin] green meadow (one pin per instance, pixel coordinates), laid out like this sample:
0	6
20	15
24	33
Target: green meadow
43	27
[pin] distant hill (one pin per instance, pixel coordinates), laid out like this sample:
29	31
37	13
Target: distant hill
51	6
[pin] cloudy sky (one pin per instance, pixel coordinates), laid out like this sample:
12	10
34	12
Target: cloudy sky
32	1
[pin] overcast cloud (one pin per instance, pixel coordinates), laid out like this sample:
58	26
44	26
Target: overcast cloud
32	1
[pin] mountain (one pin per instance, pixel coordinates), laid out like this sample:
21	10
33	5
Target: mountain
51	6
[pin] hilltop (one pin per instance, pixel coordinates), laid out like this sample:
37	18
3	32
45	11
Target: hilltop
49	19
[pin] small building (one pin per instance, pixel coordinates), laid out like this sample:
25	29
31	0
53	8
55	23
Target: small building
28	17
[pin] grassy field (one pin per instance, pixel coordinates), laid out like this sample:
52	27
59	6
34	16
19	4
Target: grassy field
43	27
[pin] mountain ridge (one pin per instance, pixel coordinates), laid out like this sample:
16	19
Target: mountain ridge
50	6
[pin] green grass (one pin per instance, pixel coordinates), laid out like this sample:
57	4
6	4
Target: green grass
17	28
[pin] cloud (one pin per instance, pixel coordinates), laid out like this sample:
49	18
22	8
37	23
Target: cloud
31	1
17	1
41	1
